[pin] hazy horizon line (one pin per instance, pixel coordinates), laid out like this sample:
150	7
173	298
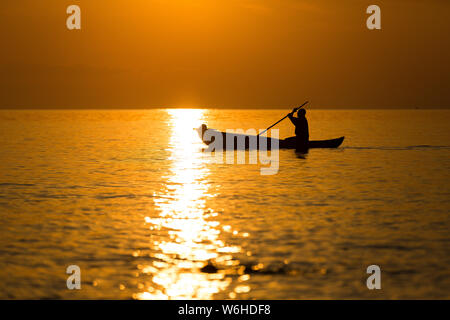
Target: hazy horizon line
222	108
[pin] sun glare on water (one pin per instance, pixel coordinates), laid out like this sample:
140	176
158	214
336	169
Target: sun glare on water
192	236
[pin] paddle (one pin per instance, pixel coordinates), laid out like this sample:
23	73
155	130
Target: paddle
283	118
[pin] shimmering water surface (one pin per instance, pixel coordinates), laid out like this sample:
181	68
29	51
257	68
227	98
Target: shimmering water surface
130	198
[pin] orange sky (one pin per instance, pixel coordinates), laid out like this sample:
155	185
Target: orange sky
224	53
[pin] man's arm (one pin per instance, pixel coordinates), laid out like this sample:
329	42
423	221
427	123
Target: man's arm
291	117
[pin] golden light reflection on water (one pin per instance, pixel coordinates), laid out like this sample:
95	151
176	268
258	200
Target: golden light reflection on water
191	236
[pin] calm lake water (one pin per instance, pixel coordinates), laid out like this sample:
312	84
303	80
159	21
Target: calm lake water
129	197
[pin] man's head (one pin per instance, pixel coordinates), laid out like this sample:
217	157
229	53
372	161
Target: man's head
301	113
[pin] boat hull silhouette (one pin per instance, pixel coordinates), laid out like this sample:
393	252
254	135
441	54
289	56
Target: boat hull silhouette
235	141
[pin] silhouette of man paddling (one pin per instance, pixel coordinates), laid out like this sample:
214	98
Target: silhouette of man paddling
301	129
